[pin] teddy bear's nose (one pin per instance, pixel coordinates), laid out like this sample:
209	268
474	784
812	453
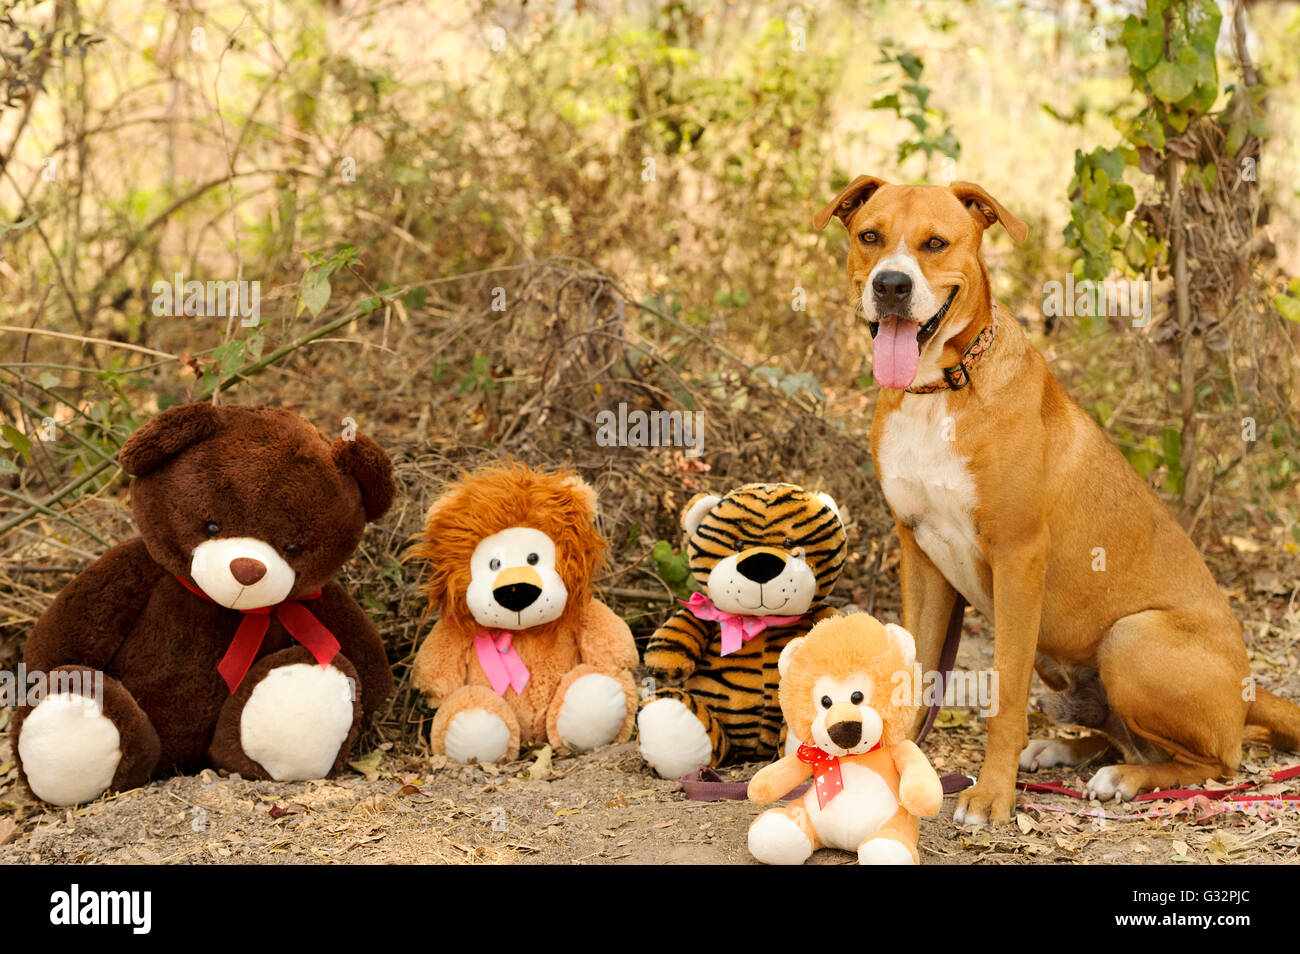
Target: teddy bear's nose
517	596
761	567
247	570
845	734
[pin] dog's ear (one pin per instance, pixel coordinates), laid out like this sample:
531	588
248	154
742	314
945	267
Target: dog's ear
843	206
988	210
162	438
366	463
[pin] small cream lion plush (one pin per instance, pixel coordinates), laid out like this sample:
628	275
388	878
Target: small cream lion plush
844	687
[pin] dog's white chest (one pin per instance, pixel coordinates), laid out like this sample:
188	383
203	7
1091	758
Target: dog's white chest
929	487
856	813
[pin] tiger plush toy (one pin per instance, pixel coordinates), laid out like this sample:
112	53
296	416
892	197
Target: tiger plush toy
766	557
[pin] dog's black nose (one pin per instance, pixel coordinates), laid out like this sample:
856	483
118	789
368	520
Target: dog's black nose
761	567
517	596
845	734
892	289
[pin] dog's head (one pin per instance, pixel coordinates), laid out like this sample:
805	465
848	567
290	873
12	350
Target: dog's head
915	263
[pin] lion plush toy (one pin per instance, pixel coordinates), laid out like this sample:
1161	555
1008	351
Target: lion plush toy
846	688
522	652
766	557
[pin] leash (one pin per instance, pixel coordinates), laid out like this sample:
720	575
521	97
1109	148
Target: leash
947	659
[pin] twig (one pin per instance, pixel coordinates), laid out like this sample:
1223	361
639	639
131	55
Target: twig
12	329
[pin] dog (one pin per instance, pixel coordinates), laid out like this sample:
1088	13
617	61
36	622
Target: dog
1006	495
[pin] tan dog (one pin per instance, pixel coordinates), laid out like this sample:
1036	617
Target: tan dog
1007	495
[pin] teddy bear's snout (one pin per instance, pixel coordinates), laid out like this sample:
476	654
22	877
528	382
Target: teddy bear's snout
246	570
846	734
517	588
761	565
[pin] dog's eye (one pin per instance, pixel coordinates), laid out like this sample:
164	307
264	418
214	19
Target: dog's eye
869	237
212	530
494	564
936	244
856	698
532	559
826	702
292	550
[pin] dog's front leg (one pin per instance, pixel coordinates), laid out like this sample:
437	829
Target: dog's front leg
928	601
1018	585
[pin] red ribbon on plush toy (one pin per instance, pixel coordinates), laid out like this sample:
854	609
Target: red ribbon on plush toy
736	629
296	619
826	771
500	661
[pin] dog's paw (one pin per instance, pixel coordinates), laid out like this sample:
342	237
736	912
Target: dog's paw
985	803
1045	753
1113	781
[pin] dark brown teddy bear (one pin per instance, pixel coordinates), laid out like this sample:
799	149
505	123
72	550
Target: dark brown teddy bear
218	636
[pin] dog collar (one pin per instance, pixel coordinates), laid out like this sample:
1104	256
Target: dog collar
958	376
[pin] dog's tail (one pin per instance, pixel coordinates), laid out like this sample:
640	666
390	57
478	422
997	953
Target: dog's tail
1273	721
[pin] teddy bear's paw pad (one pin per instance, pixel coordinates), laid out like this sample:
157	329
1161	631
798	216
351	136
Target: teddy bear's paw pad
673	742
1046	753
296	720
592	712
477	735
775	839
884	851
69	749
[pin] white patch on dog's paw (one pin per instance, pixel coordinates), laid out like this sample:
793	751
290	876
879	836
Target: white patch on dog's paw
1045	753
296	720
477	735
592	712
1106	784
69	749
775	839
673	742
884	851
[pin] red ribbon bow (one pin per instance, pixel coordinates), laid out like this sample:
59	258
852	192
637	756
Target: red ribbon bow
296	619
826	771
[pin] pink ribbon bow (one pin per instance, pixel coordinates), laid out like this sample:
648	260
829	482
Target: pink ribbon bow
500	662
736	629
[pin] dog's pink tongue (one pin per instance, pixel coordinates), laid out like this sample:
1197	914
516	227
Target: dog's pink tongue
895	353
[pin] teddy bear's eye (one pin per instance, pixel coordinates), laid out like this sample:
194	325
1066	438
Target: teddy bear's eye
856	698
292	550
787	543
826	702
532	559
494	564
212	529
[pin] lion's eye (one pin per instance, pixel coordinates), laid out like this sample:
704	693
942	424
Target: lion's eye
532	559
494	564
212	530
826	702
869	237
856	698
936	244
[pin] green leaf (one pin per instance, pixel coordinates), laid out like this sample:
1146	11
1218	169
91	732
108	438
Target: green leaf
315	291
1144	40
17	440
911	64
1172	82
1289	307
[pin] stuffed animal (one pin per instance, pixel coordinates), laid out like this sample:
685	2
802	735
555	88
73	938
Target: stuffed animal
219	635
846	688
522	652
766	557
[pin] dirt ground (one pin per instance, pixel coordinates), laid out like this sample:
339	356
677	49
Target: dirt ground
602	808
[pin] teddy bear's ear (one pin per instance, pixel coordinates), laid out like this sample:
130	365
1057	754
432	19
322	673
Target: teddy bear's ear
787	655
167	435
367	464
829	501
585	493
905	643
695	510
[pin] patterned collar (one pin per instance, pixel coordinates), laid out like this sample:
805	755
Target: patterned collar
958	376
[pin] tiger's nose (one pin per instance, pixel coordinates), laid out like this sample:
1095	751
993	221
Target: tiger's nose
761	567
845	734
517	596
246	570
